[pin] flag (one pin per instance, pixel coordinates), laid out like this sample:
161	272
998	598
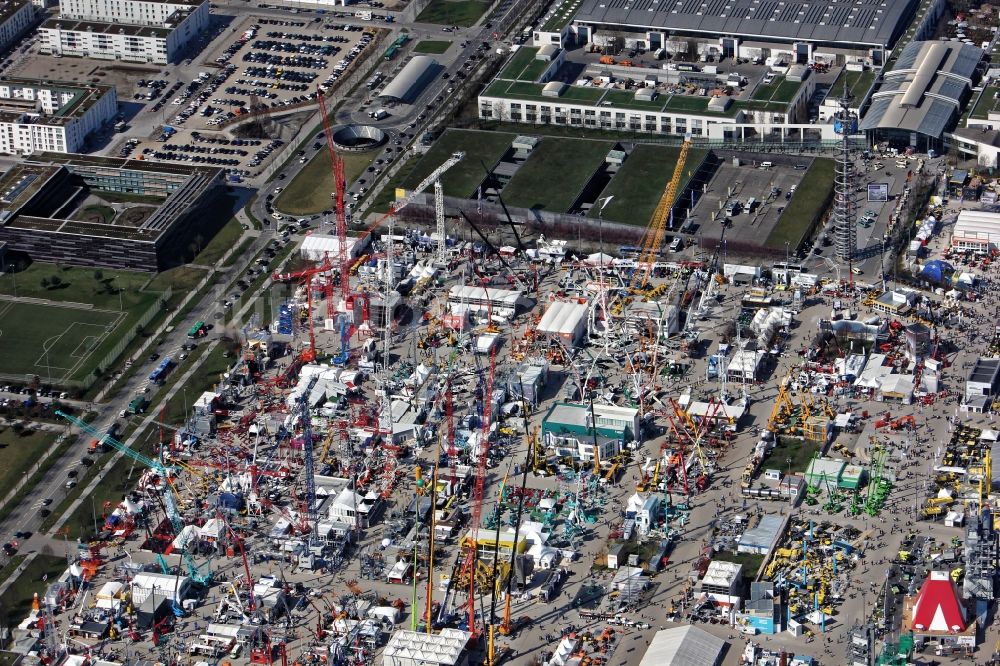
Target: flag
479	199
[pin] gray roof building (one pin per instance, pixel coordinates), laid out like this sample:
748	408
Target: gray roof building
925	90
411	80
848	23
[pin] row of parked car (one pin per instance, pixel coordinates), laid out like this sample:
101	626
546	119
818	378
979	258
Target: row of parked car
262	154
208	85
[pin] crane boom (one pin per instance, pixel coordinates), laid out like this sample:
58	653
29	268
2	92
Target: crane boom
402	201
477	495
339	207
309	515
169	501
653	239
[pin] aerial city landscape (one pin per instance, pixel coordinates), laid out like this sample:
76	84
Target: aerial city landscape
461	332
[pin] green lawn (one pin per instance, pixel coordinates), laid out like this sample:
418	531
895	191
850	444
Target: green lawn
523	57
20	452
781	91
462	179
182	279
11	565
751	563
224	239
535	69
764	91
76	284
554	174
453	12
69	331
53	341
987	103
309	192
858	84
563	14
433	46
15	603
811	198
687	103
639	184
625	99
524	66
798	450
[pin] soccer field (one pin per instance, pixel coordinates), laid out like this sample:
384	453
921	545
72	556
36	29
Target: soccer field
52	341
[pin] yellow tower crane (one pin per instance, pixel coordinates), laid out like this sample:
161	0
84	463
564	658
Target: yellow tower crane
653	238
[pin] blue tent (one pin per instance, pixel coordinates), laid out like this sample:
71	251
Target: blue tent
936	270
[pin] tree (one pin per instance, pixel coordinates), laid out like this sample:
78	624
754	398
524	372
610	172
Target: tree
45	283
98	275
55	281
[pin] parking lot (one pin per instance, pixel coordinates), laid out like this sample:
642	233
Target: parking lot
751	197
274	63
238	156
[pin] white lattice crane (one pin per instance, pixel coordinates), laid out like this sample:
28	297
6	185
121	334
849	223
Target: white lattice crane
385	419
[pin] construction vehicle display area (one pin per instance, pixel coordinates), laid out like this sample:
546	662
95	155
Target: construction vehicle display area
443	451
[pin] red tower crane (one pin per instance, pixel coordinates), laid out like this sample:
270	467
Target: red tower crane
339	211
477	494
306	275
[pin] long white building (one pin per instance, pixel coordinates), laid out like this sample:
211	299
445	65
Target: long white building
724	106
38	116
16	16
130	30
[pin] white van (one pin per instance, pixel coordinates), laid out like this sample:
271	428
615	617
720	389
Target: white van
751	203
766	165
677	244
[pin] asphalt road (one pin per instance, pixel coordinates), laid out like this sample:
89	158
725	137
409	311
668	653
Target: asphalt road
27	516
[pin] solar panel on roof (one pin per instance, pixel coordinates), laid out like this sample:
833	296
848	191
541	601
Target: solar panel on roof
21	186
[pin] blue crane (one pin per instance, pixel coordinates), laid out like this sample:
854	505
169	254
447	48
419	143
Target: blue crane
173	513
345	343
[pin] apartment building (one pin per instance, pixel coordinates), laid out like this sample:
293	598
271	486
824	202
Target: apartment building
16	17
129	30
39	116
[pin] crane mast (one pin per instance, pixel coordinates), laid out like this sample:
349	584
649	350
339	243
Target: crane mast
309	517
442	251
657	228
477	495
340	209
385	409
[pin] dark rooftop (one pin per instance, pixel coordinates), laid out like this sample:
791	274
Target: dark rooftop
105	28
875	22
985	370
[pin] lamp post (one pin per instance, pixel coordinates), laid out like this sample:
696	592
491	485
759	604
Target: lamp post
121	307
600	223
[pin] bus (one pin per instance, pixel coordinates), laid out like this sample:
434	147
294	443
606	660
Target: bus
198	330
162	370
